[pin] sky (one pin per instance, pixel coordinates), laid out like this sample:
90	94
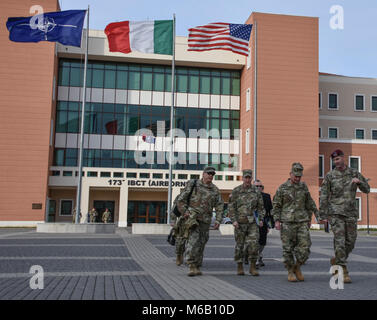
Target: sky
348	49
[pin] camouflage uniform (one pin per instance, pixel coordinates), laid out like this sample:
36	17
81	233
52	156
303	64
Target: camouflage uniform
93	215
338	205
244	202
203	199
106	216
293	207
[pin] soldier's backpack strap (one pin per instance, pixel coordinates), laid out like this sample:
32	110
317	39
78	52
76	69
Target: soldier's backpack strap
192	189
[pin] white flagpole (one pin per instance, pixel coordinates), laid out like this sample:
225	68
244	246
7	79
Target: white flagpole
171	128
255	104
78	196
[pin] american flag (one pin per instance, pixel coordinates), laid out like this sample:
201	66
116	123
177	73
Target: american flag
220	36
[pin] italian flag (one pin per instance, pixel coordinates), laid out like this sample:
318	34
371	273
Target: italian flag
143	36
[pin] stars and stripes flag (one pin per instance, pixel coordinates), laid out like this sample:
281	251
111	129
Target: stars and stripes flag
220	36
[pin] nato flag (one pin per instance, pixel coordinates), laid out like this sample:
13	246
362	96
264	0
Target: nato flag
64	27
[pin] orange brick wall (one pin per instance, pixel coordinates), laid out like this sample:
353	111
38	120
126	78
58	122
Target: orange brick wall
26	79
287	84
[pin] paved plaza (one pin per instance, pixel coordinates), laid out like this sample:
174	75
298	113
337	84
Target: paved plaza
123	266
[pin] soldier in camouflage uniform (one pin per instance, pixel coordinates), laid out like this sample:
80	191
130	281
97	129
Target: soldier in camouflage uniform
93	215
292	210
106	216
198	215
181	235
245	200
338	205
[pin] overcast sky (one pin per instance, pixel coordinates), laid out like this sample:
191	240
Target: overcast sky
350	51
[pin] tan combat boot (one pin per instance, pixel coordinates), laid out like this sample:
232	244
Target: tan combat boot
240	271
346	276
291	275
253	269
192	271
197	271
297	271
179	260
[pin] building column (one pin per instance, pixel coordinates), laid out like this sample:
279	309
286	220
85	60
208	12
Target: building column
123	206
85	190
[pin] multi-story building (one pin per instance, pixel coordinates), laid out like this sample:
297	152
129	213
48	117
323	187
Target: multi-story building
216	100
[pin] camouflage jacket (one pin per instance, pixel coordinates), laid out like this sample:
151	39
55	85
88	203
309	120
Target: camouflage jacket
203	199
338	193
293	203
244	202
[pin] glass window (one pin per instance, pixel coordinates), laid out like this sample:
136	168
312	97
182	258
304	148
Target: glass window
146	81
374	104
73	122
182	83
215	85
64	76
158	82
134	80
236	87
321	169
59	157
109	124
61	121
333	101
109	79
75	79
333	133
359	103
168	82
359	133
97	81
205	84
225	86
374	134
122	79
66	207
354	163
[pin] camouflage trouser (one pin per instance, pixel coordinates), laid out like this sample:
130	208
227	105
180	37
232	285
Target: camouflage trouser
345	234
180	245
180	233
247	242
295	237
197	239
92	219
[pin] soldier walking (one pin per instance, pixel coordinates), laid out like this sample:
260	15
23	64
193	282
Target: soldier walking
338	205
106	216
245	208
93	215
292	210
198	215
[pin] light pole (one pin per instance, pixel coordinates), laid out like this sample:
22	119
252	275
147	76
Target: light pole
368	210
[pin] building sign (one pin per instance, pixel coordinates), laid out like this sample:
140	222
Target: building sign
146	183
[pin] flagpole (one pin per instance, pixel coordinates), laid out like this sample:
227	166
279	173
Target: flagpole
171	128
255	103
78	196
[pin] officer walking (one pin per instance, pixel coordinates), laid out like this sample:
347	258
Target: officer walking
198	215
292	210
338	205
245	208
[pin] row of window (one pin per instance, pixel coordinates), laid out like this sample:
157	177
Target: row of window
100	158
120	119
359	102
333	133
127	76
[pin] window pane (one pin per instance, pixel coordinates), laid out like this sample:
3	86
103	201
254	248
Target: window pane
122	80
158	82
359	103
374	134
61	121
205	84
236	87
146	81
333	133
66	208
320	167
194	84
109	124
333	101
354	163
182	83
134	81
359	134
132	124
97	81
215	85
75	79
225	85
110	79
64	76
73	122
168	82
374	103
59	157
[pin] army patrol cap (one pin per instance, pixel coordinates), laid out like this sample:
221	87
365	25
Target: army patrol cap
209	170
337	153
247	173
297	169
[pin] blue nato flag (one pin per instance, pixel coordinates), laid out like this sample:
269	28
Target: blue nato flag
64	27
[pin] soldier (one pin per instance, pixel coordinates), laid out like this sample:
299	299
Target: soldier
106	216
338	205
245	200
74	216
292	210
198	214
93	215
181	235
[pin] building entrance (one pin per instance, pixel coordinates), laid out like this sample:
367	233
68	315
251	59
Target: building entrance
146	212
101	206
